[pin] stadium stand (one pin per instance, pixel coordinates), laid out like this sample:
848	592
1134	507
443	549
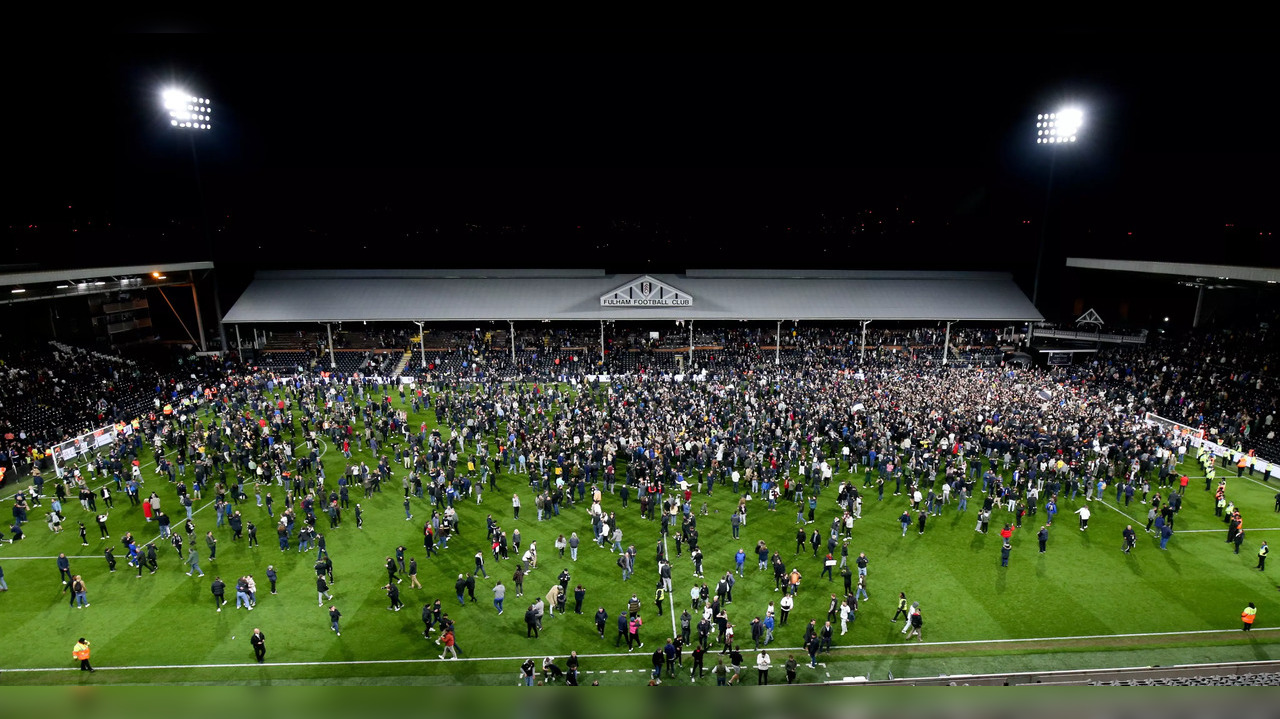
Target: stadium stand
1216	380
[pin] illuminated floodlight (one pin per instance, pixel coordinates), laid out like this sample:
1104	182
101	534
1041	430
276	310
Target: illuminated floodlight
187	111
1055	128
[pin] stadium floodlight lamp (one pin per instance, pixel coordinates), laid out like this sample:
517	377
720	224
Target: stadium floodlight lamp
187	111
18	290
1053	128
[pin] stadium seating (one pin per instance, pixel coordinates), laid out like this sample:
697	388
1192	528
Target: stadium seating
1261	679
1216	380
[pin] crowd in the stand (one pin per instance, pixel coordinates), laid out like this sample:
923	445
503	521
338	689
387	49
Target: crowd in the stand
1221	381
615	349
52	392
1216	380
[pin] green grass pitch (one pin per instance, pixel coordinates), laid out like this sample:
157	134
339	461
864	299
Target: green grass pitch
1082	604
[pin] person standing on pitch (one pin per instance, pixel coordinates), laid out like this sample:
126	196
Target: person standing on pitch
79	594
259	642
1084	518
902	610
219	589
906	626
916	623
499	595
193	561
334	615
64	569
322	590
81	652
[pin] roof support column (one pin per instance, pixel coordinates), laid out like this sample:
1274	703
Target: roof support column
1195	321
217	308
333	363
199	321
239	343
777	345
946	343
512	325
422	345
862	353
690	345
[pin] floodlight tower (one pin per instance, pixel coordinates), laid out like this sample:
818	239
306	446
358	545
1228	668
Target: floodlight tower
1054	129
188	111
195	113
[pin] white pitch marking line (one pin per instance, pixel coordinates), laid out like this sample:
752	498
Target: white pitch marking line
1250	529
1184	531
1251	479
1117	509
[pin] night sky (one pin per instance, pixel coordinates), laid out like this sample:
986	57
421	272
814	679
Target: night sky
645	152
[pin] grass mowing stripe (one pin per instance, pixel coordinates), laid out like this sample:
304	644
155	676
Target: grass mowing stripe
844	649
99	556
993	606
214	501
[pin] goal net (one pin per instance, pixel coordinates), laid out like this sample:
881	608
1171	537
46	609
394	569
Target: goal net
1184	434
77	449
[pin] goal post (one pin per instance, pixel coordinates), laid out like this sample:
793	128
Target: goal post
77	449
1176	429
1194	437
